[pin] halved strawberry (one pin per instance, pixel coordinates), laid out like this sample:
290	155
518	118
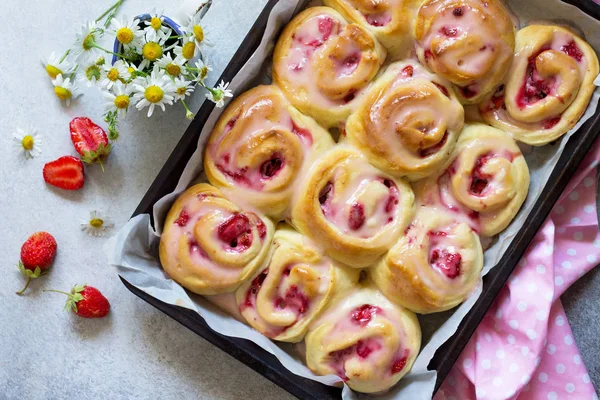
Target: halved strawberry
90	140
65	173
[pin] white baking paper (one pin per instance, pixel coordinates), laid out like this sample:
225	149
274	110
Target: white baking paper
133	251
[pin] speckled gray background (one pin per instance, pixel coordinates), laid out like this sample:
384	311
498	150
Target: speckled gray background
137	352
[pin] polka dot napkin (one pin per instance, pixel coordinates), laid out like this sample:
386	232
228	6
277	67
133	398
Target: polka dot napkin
524	347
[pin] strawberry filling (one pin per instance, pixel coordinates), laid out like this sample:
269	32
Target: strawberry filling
238	176
435	148
468	92
392	200
236	232
356	218
362	348
442	89
262	229
325	26
183	218
231	124
551	122
479	180
534	87
349	64
303	133
294	300
254	288
399	364
362	315
350	96
572	50
195	248
407	71
325	197
446	262
448	31
271	167
458	12
378	19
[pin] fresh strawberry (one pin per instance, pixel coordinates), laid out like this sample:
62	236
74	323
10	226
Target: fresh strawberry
86	301
37	255
90	140
65	173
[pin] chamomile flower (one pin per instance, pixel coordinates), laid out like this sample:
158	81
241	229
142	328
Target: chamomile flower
173	67
219	94
28	142
91	75
155	30
118	99
64	89
197	32
54	66
114	73
85	49
153	90
183	88
201	70
128	33
97	224
151	52
187	49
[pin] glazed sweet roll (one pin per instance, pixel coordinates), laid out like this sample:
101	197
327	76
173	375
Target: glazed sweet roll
352	210
468	42
323	64
292	287
408	122
486	183
258	148
391	21
209	245
548	88
435	266
366	340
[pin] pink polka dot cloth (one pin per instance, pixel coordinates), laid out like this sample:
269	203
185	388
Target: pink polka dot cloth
524	347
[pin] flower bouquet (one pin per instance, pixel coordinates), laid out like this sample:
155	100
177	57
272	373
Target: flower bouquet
154	62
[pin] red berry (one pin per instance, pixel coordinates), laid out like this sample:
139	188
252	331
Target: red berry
86	301
38	250
236	231
362	315
89	139
357	216
65	173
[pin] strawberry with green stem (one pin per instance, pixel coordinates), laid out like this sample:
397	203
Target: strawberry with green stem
37	255
89	140
85	301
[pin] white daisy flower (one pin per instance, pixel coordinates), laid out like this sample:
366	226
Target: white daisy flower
91	75
174	67
114	73
201	71
97	224
183	88
197	32
219	94
54	66
151	52
64	89
28	142
153	90
155	30
118	99
187	49
84	49
128	33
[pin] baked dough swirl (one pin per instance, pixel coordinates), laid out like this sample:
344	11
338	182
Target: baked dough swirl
259	147
435	266
292	287
349	208
323	64
366	340
408	122
468	42
391	21
209	245
486	184
548	87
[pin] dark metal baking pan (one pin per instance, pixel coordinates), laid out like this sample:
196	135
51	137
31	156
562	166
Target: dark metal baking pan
264	362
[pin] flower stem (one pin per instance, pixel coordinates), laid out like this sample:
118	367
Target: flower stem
20	292
56	291
110	52
64	56
116	5
112	15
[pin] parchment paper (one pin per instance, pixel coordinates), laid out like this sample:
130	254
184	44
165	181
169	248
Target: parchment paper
133	251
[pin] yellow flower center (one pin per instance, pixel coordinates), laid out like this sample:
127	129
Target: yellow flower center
89	42
62	93
181	90
131	70
122	101
156	23
152	51
173	69
154	94
27	142
96	223
113	74
125	35
198	33
52	71
203	72
189	50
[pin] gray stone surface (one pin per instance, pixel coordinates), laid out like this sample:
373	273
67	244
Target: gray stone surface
137	352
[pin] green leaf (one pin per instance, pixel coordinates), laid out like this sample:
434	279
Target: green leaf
78	288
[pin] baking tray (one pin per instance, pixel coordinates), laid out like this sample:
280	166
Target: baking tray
265	363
